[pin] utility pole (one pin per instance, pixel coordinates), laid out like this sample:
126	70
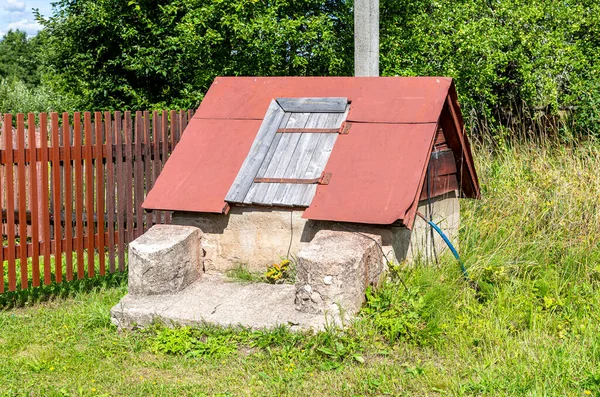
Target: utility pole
366	37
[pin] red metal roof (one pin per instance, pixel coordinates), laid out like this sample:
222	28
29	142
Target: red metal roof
378	168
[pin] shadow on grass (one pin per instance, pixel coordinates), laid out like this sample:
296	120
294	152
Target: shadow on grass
66	289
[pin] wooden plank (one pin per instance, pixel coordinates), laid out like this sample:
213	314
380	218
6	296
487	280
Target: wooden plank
313	105
121	183
164	121
56	194
309	130
4	130
110	191
300	159
127	185
78	186
10	203
68	197
89	192
303	197
257	189
138	180
101	247
442	163
156	140
22	199
33	200
440	185
44	197
183	121
258	151
173	122
147	178
265	193
440	139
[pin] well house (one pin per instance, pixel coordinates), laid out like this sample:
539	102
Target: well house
268	162
340	174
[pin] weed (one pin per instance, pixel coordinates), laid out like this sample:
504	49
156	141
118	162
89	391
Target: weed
279	273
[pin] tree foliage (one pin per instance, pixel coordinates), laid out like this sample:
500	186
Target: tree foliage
144	53
507	56
20	57
504	54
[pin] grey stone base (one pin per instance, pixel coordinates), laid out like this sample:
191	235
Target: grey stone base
217	300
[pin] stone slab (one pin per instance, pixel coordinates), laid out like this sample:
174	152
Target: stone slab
217	300
165	259
335	269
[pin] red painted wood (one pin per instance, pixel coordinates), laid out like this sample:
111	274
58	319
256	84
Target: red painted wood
56	196
68	197
128	176
440	185
165	154
138	170
78	185
156	141
33	199
110	191
89	191
100	192
44	195
147	179
22	200
120	186
10	208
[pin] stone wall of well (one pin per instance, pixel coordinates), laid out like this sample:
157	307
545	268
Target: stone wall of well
255	237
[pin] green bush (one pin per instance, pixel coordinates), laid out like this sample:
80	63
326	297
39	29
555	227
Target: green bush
506	56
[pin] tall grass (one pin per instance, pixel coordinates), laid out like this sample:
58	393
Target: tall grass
532	327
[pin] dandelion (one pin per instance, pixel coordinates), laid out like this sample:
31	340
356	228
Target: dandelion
587	392
93	389
51	368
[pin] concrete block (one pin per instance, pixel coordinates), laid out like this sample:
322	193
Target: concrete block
334	269
164	260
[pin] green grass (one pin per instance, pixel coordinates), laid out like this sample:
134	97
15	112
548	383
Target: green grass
532	244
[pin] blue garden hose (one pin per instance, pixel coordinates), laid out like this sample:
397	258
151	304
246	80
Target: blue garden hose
448	243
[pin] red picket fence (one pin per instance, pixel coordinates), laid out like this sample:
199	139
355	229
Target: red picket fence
71	190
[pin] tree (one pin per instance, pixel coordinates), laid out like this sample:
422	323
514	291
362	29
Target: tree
20	57
149	54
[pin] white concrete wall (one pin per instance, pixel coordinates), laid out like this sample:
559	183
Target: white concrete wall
257	237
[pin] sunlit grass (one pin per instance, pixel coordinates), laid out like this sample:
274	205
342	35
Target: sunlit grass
532	328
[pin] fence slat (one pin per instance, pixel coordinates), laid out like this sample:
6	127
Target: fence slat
147	170
165	151
138	180
156	135
89	192
68	183
121	204
128	187
100	192
78	185
46	249
22	203
10	211
56	215
33	200
110	190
